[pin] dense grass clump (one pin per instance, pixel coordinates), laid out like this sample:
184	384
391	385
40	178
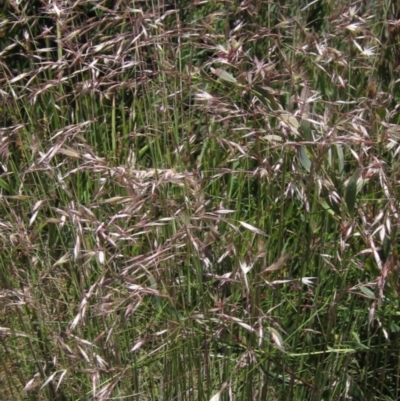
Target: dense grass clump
199	200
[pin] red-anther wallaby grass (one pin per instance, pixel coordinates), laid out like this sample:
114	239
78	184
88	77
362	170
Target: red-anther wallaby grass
199	200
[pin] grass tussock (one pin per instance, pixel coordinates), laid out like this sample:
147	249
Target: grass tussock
199	200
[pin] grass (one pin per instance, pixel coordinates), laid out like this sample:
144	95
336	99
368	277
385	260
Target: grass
199	201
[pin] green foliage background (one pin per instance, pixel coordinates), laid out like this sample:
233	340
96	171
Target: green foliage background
199	200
